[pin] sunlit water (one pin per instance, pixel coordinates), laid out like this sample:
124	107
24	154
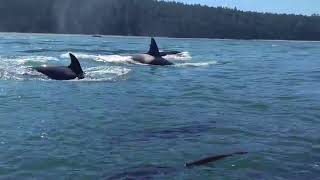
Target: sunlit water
128	120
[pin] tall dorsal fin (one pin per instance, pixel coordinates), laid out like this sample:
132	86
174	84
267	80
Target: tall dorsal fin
75	66
154	50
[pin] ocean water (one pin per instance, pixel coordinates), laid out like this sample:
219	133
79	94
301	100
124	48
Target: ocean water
131	121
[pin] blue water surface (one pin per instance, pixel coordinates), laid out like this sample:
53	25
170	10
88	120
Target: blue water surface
128	120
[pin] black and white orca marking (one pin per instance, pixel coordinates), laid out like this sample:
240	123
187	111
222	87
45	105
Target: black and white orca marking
153	56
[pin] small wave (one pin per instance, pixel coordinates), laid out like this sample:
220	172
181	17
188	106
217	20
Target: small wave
199	64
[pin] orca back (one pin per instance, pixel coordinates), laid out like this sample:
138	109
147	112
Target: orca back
57	72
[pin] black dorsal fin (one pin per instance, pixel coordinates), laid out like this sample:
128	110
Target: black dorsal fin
210	159
75	66
154	50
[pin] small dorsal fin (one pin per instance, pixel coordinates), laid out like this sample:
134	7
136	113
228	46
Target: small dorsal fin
154	50
75	66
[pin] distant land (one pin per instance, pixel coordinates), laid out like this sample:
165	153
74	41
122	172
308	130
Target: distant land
152	18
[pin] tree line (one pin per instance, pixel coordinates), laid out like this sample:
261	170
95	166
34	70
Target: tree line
152	18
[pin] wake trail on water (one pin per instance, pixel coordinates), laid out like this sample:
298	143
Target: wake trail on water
183	56
105	73
21	67
101	58
181	60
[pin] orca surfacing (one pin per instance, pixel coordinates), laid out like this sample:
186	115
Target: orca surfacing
70	72
152	57
151	171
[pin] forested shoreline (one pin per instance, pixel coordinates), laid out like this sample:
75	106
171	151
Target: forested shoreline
152	18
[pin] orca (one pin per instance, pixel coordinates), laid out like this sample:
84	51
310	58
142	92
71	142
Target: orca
70	72
152	57
151	171
210	159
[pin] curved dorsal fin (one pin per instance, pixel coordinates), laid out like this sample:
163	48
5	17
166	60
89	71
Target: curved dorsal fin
75	66
154	50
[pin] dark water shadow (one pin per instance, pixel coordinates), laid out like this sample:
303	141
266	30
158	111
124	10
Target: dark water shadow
142	172
185	131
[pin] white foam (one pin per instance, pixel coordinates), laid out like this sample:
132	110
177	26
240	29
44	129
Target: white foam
114	58
37	59
25	59
17	68
20	68
104	73
14	73
117	70
101	58
183	56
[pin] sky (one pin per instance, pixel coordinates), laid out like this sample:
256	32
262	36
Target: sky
306	7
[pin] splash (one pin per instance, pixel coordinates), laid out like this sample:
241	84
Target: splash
101	58
105	73
20	68
183	56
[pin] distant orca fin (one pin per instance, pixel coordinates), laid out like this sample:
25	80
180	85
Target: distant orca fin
75	66
154	50
210	159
